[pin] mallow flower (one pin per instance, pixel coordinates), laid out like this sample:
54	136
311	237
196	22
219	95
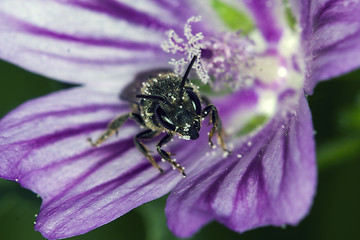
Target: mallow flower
256	65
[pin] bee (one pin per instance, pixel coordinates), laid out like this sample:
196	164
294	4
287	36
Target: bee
166	103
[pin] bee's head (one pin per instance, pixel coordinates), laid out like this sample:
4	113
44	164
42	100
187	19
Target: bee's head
184	118
178	111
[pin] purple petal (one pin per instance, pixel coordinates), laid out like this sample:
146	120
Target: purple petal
272	183
331	36
268	16
43	146
98	42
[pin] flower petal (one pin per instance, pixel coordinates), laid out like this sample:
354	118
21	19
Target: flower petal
43	147
268	16
272	183
95	42
331	36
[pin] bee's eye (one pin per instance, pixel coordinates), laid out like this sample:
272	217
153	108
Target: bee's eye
195	101
163	119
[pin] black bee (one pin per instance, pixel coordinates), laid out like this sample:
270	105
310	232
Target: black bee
168	103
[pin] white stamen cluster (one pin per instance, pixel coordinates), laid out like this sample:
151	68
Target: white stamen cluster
191	47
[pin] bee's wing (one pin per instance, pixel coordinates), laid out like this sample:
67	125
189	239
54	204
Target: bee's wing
130	91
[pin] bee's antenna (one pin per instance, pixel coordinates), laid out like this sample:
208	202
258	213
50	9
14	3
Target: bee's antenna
182	84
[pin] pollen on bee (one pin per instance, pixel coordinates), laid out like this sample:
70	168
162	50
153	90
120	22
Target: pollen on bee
231	146
186	137
163	160
239	156
225	154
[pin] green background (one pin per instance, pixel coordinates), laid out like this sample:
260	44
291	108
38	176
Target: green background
335	214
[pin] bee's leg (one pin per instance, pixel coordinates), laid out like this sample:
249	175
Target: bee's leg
137	118
147	134
205	100
216	122
113	127
166	155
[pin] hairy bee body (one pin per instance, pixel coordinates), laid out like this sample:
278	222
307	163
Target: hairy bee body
168	103
180	115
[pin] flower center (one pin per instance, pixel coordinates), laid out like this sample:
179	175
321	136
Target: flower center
229	60
224	61
232	61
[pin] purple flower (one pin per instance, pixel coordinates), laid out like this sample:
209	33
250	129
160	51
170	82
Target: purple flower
262	73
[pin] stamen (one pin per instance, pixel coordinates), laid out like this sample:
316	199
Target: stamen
226	57
190	48
230	61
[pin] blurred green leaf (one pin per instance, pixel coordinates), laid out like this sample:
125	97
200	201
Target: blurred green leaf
338	151
19	85
252	124
233	18
290	18
155	221
207	90
349	117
